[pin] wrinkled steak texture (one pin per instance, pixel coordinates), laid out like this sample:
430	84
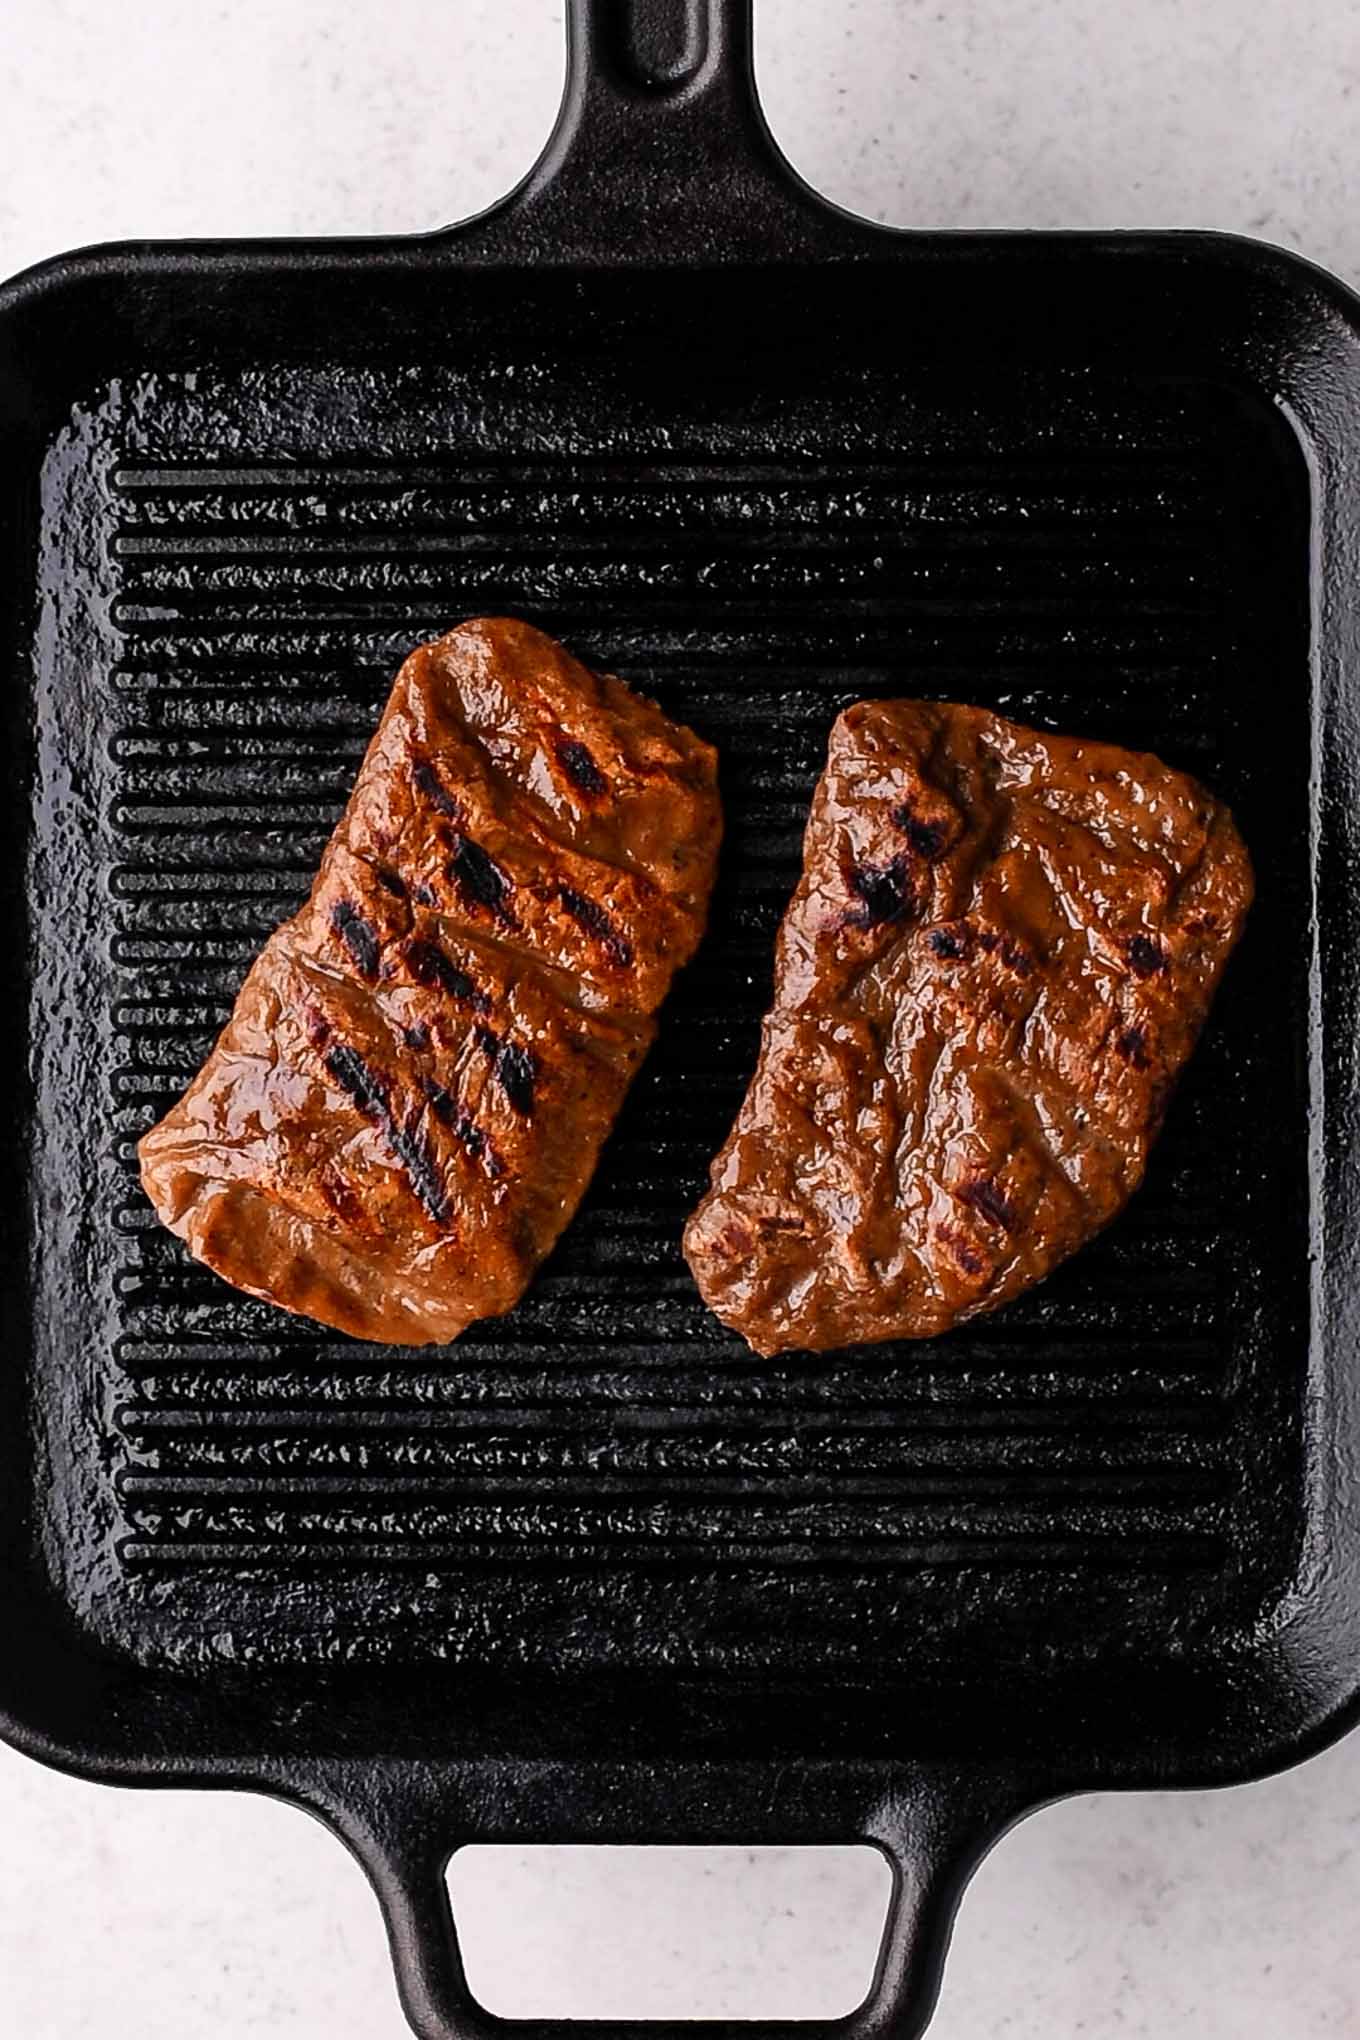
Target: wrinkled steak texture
999	955
410	1096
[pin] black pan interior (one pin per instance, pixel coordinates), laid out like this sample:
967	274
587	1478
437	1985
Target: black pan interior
758	499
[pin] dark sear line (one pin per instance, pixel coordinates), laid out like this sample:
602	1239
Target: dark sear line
927	839
580	767
588	914
1012	953
428	782
366	1090
986	1196
886	891
1145	956
889	892
1132	1045
952	940
391	880
515	1069
358	935
481	881
960	1250
430	967
463	1127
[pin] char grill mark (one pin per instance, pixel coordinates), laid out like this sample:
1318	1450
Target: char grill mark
1132	1045
580	767
480	880
591	916
885	890
367	1092
359	937
891	891
984	1196
928	839
1012	953
429	966
961	1250
463	1127
1144	955
954	943
514	1068
428	782
391	881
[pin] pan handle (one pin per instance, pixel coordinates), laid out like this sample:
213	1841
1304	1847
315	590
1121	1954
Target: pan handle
933	1831
660	152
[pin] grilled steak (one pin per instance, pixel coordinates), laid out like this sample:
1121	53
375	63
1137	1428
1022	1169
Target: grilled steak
411	1093
999	955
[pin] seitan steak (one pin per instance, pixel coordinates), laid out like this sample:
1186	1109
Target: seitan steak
410	1096
1000	953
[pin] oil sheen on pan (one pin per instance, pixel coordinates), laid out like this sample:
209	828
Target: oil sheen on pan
999	956
409	1098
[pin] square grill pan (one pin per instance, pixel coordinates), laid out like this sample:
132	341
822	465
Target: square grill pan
597	1572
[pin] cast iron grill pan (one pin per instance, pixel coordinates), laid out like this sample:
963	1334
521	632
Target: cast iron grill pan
597	1571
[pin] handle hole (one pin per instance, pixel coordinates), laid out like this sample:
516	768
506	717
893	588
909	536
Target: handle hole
662	45
592	1932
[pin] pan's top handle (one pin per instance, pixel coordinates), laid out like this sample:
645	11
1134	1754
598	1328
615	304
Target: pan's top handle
661	151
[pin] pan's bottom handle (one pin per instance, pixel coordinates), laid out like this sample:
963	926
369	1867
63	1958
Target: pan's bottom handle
425	1953
931	1852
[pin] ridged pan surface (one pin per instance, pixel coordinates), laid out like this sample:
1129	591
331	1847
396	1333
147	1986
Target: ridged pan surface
607	1479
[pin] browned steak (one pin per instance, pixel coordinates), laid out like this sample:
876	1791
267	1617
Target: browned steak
998	957
410	1096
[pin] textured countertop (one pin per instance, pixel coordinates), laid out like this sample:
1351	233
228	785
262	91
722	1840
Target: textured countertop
171	1916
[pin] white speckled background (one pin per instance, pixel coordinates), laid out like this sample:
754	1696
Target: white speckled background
1228	1916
